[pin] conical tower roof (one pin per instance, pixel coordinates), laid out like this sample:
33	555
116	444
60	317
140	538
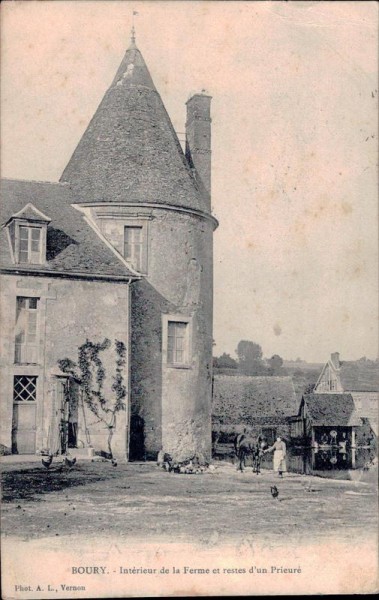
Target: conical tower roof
130	151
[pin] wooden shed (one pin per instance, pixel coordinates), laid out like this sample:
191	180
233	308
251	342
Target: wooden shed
326	420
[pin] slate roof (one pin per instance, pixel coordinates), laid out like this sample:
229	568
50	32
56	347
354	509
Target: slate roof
72	246
336	410
130	151
242	397
30	213
359	376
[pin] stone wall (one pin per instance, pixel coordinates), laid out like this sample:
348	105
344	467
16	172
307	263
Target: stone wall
173	403
180	278
70	311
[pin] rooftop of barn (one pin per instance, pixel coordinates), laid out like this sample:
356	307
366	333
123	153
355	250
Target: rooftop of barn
237	399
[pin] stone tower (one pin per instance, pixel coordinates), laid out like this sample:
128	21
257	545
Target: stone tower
152	203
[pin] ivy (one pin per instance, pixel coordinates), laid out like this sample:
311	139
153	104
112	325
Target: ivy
90	372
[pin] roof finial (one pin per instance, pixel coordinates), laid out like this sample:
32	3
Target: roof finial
133	32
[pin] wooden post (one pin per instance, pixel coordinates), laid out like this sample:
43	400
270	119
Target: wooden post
312	436
313	458
353	438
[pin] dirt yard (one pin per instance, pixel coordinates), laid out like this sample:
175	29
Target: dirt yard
141	501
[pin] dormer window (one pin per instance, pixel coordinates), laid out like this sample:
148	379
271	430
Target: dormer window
27	235
30	244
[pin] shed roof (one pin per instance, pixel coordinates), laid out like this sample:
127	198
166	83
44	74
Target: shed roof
72	245
242	397
331	410
130	151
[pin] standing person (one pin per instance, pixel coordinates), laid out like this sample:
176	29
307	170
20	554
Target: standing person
280	451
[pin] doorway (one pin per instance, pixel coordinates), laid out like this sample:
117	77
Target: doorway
24	415
67	401
137	438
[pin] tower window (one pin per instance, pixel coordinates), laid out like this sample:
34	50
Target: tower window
177	341
133	246
26	343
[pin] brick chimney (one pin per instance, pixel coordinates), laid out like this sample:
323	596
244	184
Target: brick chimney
198	140
335	358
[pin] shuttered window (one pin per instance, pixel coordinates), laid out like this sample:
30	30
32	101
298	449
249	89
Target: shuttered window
26	342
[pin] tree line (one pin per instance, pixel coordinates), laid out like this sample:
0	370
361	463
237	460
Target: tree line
250	361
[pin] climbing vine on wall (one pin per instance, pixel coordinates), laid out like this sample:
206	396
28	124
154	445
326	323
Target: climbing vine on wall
90	372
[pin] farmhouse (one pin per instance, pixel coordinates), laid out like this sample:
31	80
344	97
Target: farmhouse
360	378
119	248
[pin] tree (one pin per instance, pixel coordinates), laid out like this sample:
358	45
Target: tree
250	358
90	372
275	364
247	350
225	361
309	388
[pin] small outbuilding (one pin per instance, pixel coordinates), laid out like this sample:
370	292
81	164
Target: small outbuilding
263	405
360	378
326	420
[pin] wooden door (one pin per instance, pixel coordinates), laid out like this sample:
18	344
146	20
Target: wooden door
24	428
24	415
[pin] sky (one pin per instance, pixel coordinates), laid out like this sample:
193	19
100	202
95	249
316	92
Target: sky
294	145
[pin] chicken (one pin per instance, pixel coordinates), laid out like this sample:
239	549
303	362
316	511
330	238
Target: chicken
69	461
114	462
46	461
368	465
274	491
308	486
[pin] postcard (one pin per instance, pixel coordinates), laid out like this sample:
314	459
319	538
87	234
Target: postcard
189	298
